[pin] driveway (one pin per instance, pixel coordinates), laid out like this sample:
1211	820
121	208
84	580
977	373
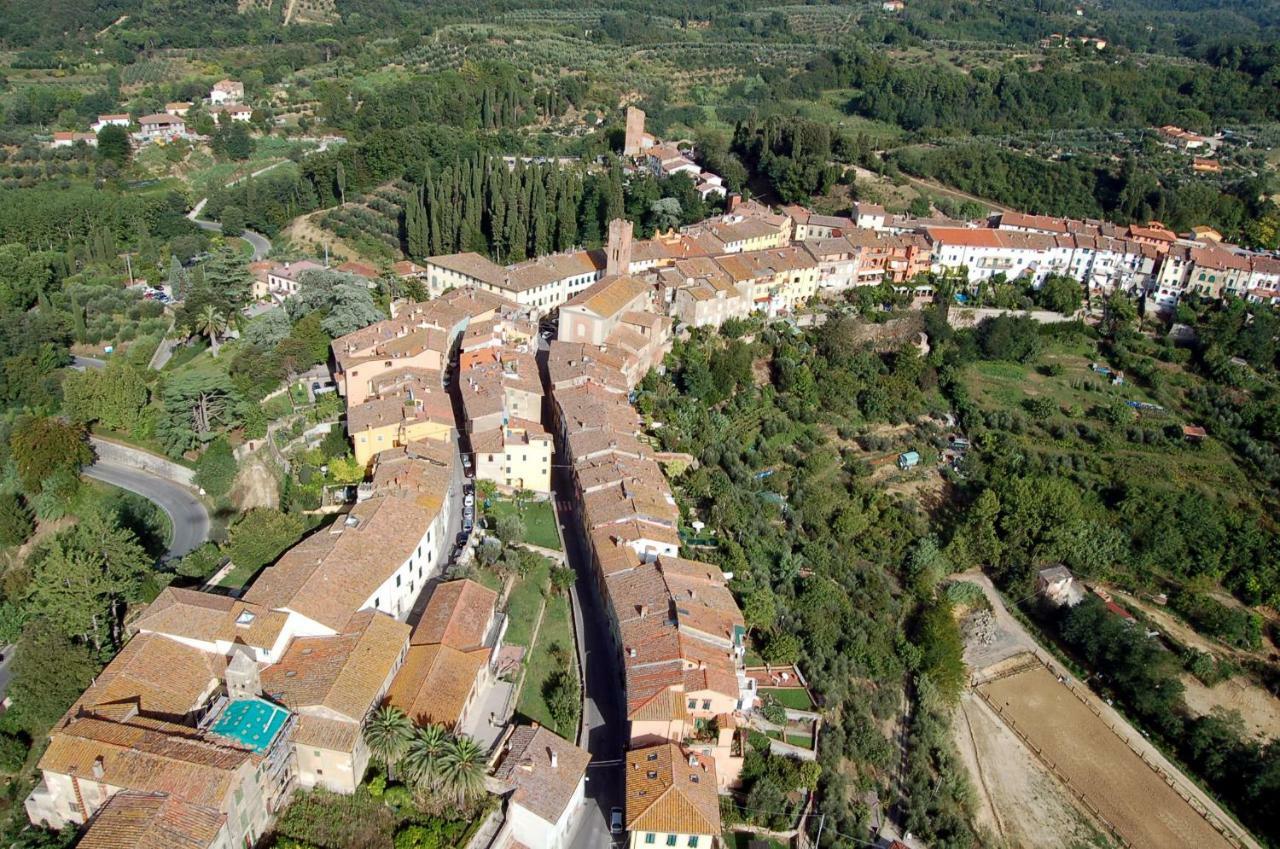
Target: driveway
186	513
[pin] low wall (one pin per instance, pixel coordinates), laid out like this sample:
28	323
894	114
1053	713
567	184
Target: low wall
126	455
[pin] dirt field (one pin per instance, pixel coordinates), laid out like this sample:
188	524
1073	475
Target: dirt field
1018	799
1126	792
255	486
1259	709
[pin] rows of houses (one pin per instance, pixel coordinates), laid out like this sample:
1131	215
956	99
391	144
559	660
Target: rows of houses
675	624
756	259
218	708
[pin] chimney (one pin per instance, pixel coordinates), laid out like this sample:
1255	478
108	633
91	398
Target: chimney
555	759
644	610
98	770
693	759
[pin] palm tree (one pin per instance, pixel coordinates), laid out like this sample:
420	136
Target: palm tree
211	322
388	734
462	770
423	757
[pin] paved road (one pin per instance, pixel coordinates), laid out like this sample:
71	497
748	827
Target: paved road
604	730
261	244
5	675
82	363
186	513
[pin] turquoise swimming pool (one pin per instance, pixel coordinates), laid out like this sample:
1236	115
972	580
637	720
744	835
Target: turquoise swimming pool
253	723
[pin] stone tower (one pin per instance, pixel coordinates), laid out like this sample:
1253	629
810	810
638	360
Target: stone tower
243	680
634	142
618	251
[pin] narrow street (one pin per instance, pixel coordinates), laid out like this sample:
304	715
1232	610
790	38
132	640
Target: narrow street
605	720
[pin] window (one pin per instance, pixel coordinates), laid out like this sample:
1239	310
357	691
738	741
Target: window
653	756
397	580
650	838
671	840
693	840
693	704
706	704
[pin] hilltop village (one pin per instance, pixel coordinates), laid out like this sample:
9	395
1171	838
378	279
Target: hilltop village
219	707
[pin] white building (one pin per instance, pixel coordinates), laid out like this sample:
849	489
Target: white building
545	777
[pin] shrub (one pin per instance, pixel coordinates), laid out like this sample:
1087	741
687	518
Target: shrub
216	468
16	524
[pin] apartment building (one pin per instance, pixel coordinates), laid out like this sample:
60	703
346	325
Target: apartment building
409	406
543	778
671	798
451	655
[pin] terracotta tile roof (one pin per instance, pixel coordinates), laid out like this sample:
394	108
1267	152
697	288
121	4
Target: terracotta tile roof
154	676
132	820
162	758
644	500
344	674
538	786
457	615
435	682
334	572
671	791
610	296
336	735
472	265
210	618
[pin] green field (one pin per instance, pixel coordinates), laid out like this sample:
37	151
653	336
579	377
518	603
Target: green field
538	517
789	697
522	605
542	663
1080	397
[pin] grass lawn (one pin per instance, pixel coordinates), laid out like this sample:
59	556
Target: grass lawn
542	664
539	521
523	603
804	741
790	697
298	394
237	577
752	659
488	578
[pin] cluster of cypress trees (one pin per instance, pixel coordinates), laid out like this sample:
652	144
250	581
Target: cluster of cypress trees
511	213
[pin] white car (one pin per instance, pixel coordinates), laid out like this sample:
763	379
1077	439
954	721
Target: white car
468	500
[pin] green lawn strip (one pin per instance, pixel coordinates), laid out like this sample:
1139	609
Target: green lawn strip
752	659
237	577
541	665
789	697
539	519
523	603
804	741
488	578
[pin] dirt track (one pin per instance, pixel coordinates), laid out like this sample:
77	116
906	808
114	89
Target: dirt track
1125	791
1017	798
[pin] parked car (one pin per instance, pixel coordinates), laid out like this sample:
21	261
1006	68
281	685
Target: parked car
615	821
468	500
466	462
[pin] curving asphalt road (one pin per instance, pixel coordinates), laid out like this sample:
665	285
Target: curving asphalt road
187	515
261	244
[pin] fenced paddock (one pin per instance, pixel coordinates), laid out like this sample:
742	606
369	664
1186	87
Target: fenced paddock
1131	795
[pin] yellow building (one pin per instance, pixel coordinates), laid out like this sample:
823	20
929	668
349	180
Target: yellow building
515	456
408	413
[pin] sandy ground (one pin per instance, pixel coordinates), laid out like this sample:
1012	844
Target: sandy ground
1017	798
1259	709
255	485
1126	792
305	233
